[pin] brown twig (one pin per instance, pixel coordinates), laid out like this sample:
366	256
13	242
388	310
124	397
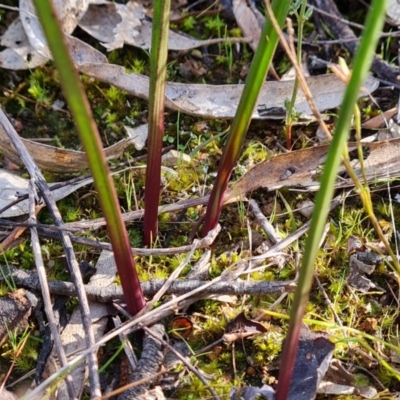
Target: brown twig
49	232
30	280
37	252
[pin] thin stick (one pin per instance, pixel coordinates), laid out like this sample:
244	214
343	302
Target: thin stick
45	291
49	231
264	223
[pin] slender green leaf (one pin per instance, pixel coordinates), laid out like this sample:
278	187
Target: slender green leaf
258	71
362	62
158	68
90	139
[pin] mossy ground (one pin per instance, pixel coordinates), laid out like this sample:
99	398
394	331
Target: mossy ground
28	101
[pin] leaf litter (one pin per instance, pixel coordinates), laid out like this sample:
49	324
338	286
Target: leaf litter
298	169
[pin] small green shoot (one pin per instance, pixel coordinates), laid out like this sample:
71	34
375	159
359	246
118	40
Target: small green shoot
17	343
302	14
9	281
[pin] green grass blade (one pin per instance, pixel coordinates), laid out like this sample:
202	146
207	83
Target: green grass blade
158	72
361	67
90	139
258	71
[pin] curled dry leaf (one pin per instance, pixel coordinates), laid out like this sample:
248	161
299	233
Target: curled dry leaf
362	263
19	54
338	381
60	160
393	11
302	169
22	55
247	21
312	361
116	24
221	101
68	12
25	43
113	24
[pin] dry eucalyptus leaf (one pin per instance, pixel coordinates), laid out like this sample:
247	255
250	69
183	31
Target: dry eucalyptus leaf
302	169
19	54
252	393
56	159
68	12
14	186
82	53
296	170
312	361
383	160
380	120
100	20
116	24
138	135
73	335
362	263
247	22
176	41
113	24
393	11
25	43
330	388
221	101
